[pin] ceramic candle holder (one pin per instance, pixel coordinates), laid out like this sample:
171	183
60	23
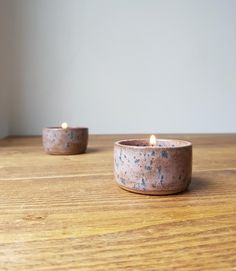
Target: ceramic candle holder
162	169
57	140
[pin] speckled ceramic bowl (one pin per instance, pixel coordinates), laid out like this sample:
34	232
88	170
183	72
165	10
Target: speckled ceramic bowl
165	168
57	140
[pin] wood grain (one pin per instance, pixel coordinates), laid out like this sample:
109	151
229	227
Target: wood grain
67	213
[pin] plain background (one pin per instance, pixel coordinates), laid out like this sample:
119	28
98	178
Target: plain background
118	66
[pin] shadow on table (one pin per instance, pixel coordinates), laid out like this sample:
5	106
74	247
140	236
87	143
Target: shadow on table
199	183
92	150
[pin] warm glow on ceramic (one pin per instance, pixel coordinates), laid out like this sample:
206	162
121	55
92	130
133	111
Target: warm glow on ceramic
152	140
64	125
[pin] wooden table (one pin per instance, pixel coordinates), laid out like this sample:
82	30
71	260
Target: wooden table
67	213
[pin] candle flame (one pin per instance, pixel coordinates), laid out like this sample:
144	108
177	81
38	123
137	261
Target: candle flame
152	140
64	125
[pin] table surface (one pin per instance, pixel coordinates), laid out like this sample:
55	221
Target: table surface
67	213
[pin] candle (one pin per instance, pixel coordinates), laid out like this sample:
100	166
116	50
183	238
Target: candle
152	140
154	166
65	140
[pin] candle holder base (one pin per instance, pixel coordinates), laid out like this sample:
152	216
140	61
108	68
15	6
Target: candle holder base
155	193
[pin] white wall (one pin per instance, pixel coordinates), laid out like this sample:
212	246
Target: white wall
5	69
125	66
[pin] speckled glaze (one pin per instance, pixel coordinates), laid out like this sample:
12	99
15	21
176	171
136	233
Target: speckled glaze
165	168
65	141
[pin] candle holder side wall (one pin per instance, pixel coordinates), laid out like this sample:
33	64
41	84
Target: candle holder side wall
65	141
160	170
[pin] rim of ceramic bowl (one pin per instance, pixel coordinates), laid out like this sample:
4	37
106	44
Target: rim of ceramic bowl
185	144
62	129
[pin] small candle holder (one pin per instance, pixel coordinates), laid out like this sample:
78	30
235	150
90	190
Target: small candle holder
65	140
159	169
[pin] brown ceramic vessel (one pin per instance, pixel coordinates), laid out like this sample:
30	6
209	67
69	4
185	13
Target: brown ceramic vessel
162	169
57	140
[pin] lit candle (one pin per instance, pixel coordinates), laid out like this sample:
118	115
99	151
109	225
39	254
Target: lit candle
154	166
152	140
64	125
65	140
